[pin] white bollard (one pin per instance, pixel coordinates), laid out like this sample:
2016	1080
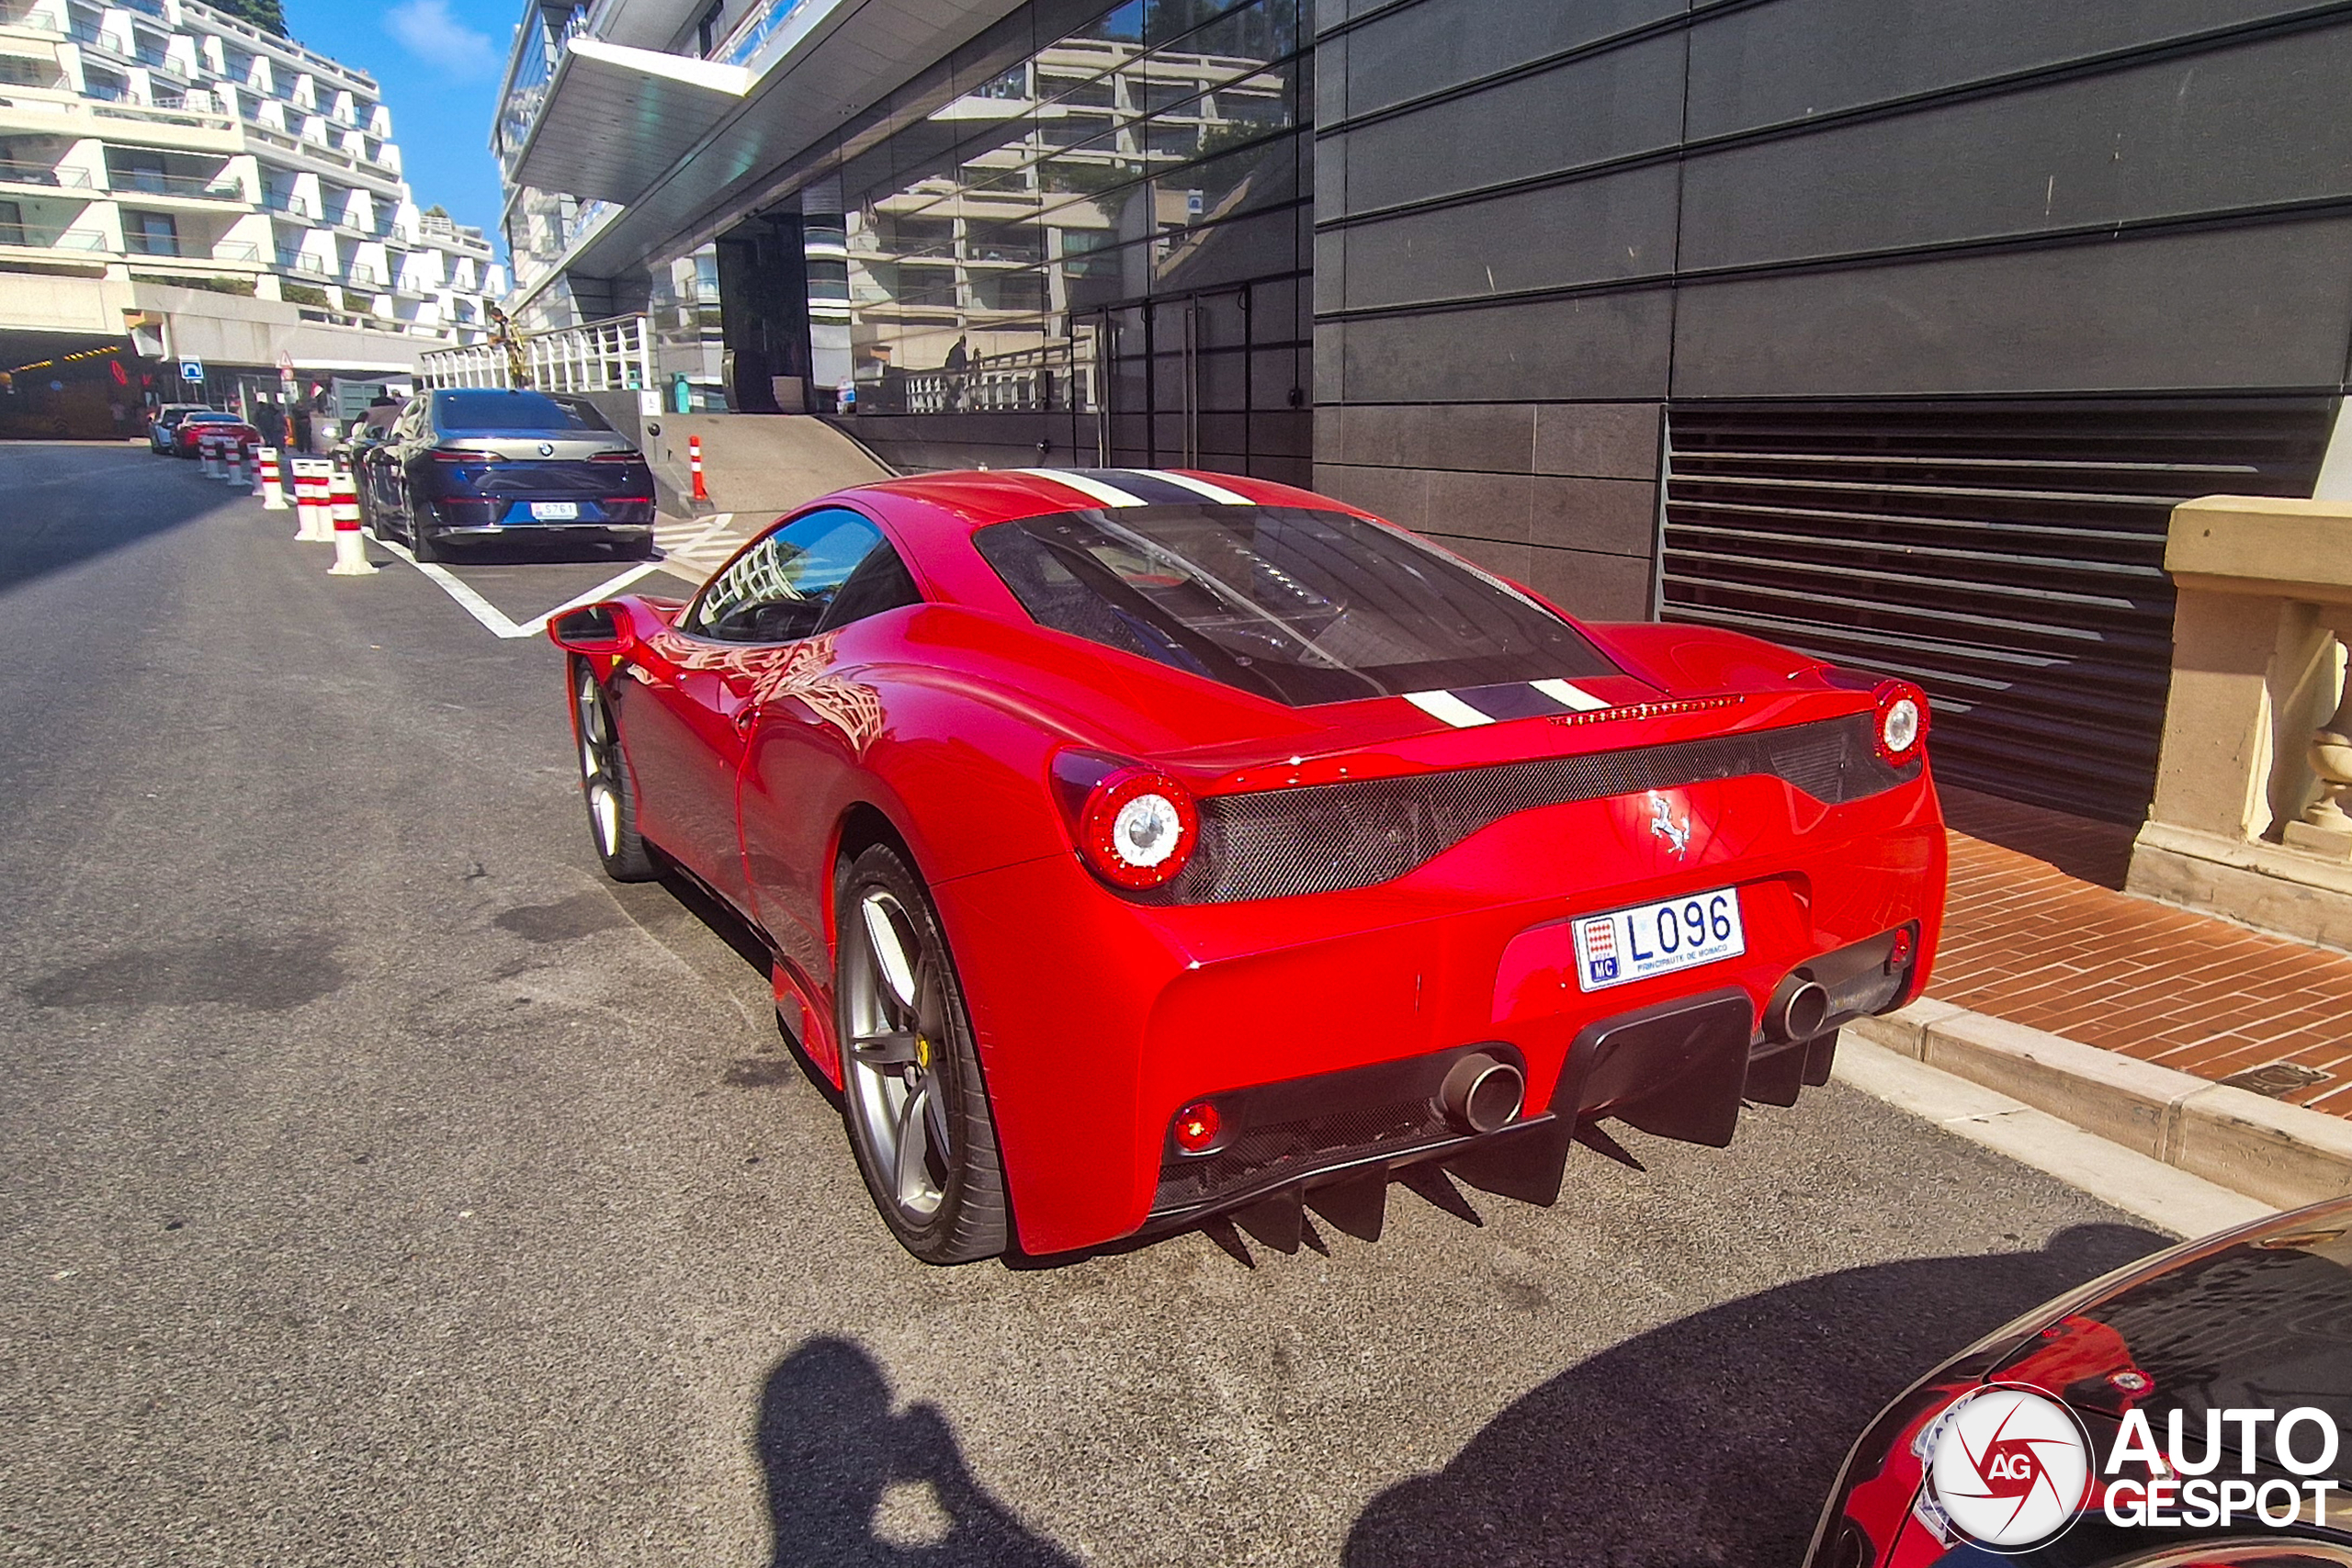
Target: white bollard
273	494
234	472
350	549
208	448
313	523
253	469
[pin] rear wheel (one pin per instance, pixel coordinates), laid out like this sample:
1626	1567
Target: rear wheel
603	781
917	1109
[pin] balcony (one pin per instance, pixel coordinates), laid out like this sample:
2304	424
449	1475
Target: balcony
139	245
185	187
305	265
610	120
751	35
289	206
346	163
18	171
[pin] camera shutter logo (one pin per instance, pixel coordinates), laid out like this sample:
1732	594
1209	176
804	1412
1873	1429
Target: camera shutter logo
2010	1467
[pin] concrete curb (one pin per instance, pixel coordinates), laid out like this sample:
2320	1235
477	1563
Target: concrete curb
2286	1155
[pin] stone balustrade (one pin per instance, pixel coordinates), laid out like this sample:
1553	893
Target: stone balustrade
2247	819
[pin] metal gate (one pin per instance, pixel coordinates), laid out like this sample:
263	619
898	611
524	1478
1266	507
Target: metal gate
2007	555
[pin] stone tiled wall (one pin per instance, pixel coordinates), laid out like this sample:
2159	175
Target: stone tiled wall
1560	496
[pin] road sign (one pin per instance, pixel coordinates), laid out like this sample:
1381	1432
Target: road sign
191	369
285	362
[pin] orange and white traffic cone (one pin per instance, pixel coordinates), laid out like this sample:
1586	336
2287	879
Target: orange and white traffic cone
693	462
350	549
271	491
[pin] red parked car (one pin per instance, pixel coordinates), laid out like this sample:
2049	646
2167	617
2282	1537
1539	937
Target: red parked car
187	435
1136	847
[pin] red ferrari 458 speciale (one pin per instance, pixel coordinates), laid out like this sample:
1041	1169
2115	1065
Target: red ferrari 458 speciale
1136	847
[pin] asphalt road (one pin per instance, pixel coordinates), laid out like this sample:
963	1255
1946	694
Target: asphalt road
378	1185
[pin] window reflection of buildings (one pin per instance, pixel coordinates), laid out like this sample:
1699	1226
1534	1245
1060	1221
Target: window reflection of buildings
1105	162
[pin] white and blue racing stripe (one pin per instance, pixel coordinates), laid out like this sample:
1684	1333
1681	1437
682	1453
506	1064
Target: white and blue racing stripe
1141	487
1468	706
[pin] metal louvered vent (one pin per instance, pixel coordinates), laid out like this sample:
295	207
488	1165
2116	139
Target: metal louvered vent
2008	557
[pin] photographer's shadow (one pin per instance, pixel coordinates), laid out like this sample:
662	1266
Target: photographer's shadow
1715	1438
851	1482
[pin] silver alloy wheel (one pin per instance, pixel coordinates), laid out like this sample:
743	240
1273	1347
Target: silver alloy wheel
898	1035
599	764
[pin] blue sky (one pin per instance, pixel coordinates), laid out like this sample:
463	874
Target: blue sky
438	62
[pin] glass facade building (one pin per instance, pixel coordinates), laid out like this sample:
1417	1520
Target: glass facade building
1112	230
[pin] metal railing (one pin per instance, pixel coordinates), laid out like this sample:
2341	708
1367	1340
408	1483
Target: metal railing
753	32
236	250
139	245
290	205
154	182
611	356
26	16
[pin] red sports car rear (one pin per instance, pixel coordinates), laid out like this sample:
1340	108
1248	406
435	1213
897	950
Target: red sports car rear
1136	847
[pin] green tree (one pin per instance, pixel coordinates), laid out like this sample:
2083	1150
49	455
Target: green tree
267	14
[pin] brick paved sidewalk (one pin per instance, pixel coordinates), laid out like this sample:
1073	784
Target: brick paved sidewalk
2036	933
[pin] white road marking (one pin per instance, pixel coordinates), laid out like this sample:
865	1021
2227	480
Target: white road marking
1576	698
2184	1204
495	620
1109	495
1445	705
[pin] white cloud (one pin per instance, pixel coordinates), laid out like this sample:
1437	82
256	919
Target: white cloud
425	29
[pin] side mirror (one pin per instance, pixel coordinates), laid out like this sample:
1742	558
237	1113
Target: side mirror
592	629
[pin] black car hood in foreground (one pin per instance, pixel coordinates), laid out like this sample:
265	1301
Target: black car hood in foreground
2257	1318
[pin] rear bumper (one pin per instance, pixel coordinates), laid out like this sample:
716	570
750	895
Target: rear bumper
1093	1038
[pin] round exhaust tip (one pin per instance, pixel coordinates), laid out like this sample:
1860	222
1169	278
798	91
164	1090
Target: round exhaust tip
1482	1093
1797	1011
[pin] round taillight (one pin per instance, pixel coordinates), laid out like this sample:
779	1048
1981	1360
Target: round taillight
1139	828
1198	1129
1902	720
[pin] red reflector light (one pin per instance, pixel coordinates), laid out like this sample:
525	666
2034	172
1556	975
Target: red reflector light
614	458
1197	1127
1900	953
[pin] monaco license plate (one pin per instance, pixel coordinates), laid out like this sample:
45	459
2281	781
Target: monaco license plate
1624	945
555	512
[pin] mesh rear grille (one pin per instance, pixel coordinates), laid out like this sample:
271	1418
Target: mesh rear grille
1277	843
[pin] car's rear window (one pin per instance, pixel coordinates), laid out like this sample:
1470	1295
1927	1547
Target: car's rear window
1299	606
488	409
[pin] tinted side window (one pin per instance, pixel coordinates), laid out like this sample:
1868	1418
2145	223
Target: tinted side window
822	570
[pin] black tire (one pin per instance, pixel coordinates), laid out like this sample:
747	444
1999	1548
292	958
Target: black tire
604	782
909	1068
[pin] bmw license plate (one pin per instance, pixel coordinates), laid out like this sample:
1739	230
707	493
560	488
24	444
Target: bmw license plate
1657	938
555	512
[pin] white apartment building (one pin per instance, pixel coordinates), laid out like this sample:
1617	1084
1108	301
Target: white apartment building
195	188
